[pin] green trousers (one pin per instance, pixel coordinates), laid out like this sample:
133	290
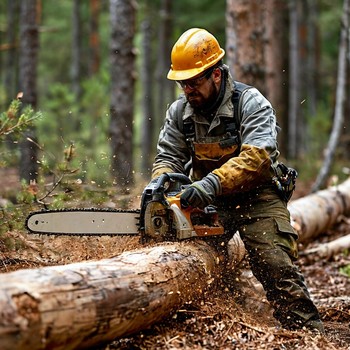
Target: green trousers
263	222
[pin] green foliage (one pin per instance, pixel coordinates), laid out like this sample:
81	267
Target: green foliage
345	270
14	121
56	129
329	24
28	193
206	14
84	124
55	43
319	128
12	124
12	243
66	187
11	218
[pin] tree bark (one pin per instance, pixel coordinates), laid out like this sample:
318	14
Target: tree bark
94	39
122	60
294	80
11	58
312	59
29	48
256	50
147	94
80	305
76	49
165	87
246	33
276	60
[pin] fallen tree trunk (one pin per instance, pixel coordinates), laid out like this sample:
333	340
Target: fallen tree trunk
315	213
80	305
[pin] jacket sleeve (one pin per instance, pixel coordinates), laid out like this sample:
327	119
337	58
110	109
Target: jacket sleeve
172	151
259	150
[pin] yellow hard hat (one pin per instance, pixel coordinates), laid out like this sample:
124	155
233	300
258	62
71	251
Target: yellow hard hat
195	51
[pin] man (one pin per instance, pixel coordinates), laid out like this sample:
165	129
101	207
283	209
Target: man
231	153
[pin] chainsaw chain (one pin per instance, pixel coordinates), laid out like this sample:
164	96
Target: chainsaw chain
129	211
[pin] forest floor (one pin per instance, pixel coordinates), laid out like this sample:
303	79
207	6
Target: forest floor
219	321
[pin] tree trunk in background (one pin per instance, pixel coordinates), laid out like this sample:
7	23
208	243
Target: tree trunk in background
344	146
28	59
246	54
94	64
340	98
76	49
122	61
294	79
302	92
147	96
76	57
11	59
302	77
276	61
307	85
255	47
312	59
303	59
165	87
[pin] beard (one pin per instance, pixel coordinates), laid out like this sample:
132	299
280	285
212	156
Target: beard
198	101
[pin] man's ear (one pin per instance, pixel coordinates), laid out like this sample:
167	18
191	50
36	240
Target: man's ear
217	74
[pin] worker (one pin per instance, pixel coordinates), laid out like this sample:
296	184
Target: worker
223	134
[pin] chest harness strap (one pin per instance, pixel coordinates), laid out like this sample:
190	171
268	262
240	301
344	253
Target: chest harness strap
232	125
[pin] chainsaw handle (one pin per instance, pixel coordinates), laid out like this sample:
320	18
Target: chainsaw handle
175	182
157	190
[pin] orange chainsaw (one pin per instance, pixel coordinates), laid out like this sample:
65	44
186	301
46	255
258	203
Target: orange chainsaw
161	217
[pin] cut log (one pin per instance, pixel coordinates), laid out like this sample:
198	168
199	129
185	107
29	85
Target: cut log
80	305
315	213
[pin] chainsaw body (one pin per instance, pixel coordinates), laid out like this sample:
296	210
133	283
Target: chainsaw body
163	219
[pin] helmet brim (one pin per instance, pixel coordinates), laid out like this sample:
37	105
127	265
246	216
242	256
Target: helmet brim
191	73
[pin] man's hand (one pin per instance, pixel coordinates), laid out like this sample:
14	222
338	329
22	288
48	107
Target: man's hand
201	193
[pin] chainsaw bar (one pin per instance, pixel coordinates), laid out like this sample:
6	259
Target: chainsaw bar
84	221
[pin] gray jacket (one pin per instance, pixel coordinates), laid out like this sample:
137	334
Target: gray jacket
258	131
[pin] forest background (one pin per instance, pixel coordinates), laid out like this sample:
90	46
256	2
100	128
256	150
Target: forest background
96	70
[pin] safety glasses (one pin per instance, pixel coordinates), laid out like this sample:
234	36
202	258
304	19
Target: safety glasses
194	83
